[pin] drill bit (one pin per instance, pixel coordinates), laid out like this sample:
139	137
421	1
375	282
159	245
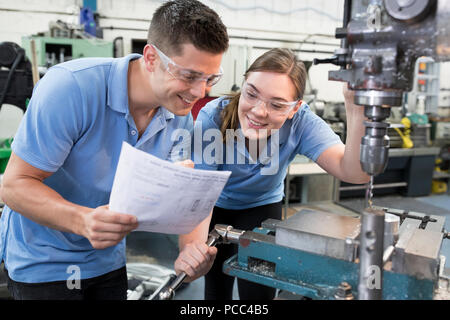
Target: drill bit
369	193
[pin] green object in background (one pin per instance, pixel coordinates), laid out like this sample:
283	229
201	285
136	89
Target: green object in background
5	153
73	48
418	118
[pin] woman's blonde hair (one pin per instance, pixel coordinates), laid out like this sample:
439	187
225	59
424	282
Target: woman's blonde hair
277	60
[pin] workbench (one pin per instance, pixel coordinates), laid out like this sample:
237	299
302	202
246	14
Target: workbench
303	167
409	171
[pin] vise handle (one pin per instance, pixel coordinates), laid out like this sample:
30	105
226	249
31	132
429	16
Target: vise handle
220	234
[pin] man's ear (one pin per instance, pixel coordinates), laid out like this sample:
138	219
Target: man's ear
150	57
295	109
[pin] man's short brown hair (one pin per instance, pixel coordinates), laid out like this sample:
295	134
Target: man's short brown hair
187	21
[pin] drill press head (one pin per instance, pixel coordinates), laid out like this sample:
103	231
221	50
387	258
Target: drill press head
381	40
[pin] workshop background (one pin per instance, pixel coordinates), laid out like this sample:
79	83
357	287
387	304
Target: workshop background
416	179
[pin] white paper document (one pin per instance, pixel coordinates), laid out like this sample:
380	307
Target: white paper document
164	196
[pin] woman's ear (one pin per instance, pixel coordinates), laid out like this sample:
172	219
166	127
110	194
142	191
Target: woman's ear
295	109
150	57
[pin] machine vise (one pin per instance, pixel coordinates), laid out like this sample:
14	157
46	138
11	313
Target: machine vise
316	254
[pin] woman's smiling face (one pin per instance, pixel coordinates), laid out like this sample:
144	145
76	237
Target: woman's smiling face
266	102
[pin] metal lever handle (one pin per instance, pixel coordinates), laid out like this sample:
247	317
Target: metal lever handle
339	59
333	60
221	233
168	292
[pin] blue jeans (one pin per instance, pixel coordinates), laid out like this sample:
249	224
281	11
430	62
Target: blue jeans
110	286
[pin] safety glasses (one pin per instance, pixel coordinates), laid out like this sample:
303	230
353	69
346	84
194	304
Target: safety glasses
187	75
273	106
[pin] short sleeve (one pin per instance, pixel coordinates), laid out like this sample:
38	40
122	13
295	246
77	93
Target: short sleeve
52	123
315	135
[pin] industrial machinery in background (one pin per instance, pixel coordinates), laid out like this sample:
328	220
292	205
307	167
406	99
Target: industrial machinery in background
16	80
16	87
61	43
65	42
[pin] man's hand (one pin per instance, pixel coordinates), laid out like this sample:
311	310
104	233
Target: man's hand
195	260
104	228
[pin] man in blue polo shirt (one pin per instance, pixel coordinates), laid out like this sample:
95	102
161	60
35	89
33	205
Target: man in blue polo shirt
56	223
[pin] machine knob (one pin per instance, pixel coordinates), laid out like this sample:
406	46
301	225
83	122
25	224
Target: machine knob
338	60
408	10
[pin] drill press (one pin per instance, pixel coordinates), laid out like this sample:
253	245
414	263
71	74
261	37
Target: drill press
380	43
381	40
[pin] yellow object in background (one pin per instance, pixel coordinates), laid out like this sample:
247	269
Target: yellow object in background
405	135
438	186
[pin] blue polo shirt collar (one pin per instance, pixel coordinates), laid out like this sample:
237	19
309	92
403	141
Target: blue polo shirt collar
118	98
118	83
166	113
118	87
158	123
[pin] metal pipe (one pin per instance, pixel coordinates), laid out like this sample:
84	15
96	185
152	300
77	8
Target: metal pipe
375	186
228	233
346	19
347	12
371	255
284	40
295	50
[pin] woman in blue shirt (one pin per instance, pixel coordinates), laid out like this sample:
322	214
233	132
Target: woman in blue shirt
257	134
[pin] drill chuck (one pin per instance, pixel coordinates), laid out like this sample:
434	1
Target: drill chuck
374	153
375	144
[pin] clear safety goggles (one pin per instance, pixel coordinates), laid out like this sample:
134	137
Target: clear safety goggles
187	75
273	106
